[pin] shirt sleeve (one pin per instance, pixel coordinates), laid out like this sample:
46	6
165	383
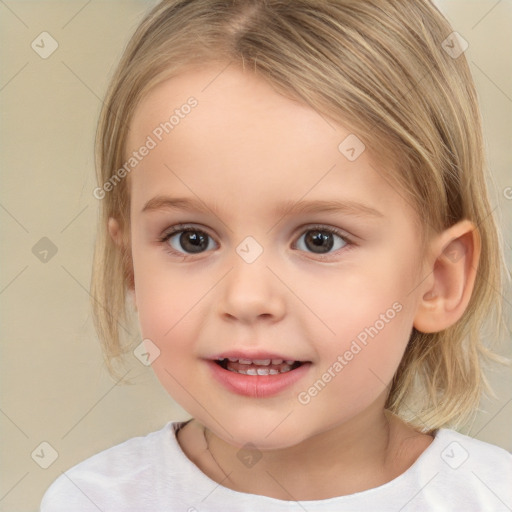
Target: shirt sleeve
64	495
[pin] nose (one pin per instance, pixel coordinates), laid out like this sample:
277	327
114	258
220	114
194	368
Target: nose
251	292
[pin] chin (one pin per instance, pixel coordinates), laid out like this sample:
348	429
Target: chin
262	435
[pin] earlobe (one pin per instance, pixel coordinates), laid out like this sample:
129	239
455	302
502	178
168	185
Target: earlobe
114	230
448	289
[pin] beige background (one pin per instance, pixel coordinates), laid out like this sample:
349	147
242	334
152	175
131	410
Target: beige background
54	384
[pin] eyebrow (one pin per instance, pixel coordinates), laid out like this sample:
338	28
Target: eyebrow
284	209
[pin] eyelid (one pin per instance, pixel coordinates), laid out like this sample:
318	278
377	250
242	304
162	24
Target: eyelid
326	227
177	228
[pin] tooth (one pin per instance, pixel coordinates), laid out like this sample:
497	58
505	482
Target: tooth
273	372
244	361
233	359
277	361
285	368
251	371
290	361
263	371
264	362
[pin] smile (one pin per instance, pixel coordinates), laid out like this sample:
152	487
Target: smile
258	366
257	378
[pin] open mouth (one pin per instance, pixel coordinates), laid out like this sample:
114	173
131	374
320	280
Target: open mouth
258	366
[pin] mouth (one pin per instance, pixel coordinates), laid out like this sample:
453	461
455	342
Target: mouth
258	366
259	374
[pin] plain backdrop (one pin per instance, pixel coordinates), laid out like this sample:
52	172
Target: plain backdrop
54	385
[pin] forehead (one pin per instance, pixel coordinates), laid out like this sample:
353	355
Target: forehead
227	98
246	135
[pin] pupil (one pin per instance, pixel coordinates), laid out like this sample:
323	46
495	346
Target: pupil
320	240
192	241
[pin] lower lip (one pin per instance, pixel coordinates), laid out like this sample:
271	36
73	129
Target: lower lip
257	386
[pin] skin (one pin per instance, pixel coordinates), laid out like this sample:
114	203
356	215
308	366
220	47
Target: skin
243	150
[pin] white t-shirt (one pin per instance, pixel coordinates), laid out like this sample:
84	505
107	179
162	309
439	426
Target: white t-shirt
153	474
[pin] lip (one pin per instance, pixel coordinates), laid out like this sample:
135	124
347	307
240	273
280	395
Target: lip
238	354
256	386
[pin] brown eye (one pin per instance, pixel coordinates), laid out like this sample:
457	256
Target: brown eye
189	241
321	240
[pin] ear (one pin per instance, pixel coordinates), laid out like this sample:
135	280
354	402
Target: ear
448	288
116	233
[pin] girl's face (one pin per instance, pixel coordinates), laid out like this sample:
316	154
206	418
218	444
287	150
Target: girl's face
298	249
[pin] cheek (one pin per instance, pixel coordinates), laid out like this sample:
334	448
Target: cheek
364	304
359	363
166	299
370	342
166	309
371	316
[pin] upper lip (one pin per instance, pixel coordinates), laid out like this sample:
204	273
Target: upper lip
260	355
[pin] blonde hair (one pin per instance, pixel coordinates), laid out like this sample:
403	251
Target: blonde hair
378	68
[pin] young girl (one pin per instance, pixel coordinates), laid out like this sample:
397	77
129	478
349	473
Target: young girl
293	197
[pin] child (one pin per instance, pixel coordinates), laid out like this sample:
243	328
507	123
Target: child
293	194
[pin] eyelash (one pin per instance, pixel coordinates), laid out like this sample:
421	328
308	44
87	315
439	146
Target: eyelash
181	228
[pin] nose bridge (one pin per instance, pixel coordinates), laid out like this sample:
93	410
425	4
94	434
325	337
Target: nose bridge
250	289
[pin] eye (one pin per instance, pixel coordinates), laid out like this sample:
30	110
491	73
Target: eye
187	240
321	240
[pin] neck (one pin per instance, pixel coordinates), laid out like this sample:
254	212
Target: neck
363	453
